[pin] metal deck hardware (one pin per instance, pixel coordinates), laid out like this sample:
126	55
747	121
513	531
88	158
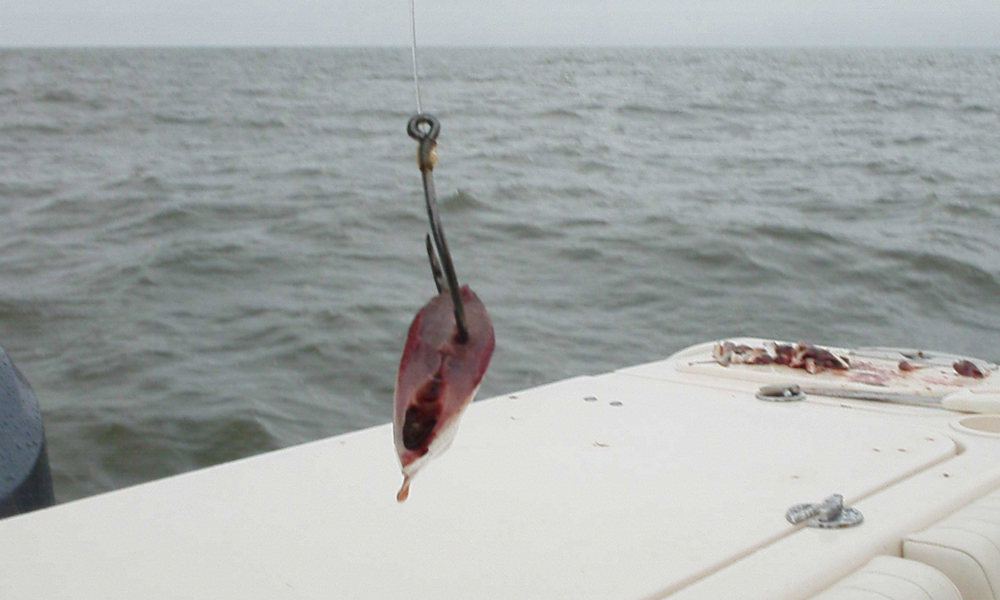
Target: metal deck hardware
828	514
780	392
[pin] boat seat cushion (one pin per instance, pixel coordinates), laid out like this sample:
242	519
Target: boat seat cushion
965	546
892	578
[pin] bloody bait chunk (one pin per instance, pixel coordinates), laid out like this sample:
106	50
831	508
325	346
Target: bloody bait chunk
418	425
967	368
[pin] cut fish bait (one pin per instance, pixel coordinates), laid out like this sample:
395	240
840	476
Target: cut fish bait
438	377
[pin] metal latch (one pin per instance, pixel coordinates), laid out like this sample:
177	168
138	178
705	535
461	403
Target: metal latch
780	393
828	514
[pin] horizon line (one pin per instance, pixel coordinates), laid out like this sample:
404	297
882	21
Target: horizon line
406	47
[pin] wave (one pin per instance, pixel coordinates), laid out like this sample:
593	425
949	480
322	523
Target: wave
138	181
525	231
59	97
797	235
203	441
978	109
983	208
181	119
912	140
43	128
463	201
22	311
583	222
557	114
646	110
948	275
581	254
26	190
381	114
252	92
272	123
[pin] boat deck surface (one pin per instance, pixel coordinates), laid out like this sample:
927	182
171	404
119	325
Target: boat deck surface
655	481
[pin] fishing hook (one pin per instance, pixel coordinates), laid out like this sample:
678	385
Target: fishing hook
436	271
424	129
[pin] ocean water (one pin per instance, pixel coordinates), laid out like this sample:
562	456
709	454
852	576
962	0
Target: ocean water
207	254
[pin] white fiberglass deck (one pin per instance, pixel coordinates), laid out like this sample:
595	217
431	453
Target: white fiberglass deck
635	484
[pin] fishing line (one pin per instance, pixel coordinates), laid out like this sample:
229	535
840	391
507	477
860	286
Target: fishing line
413	47
424	129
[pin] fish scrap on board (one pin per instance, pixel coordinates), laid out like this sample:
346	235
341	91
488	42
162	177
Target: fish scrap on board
816	359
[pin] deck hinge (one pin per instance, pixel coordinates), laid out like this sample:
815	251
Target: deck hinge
828	514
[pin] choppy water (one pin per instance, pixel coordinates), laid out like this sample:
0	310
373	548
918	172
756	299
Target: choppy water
207	254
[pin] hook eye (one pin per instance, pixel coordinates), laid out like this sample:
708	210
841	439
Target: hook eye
423	127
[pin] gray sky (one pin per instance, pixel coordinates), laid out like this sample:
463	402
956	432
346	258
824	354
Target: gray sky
501	22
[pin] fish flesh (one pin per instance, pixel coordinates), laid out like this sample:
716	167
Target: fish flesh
967	368
813	359
438	376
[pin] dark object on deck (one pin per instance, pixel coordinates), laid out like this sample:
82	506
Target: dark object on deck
25	480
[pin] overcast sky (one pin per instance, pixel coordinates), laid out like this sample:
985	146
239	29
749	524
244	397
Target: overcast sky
500	22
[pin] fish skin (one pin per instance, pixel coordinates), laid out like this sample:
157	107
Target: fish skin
437	379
